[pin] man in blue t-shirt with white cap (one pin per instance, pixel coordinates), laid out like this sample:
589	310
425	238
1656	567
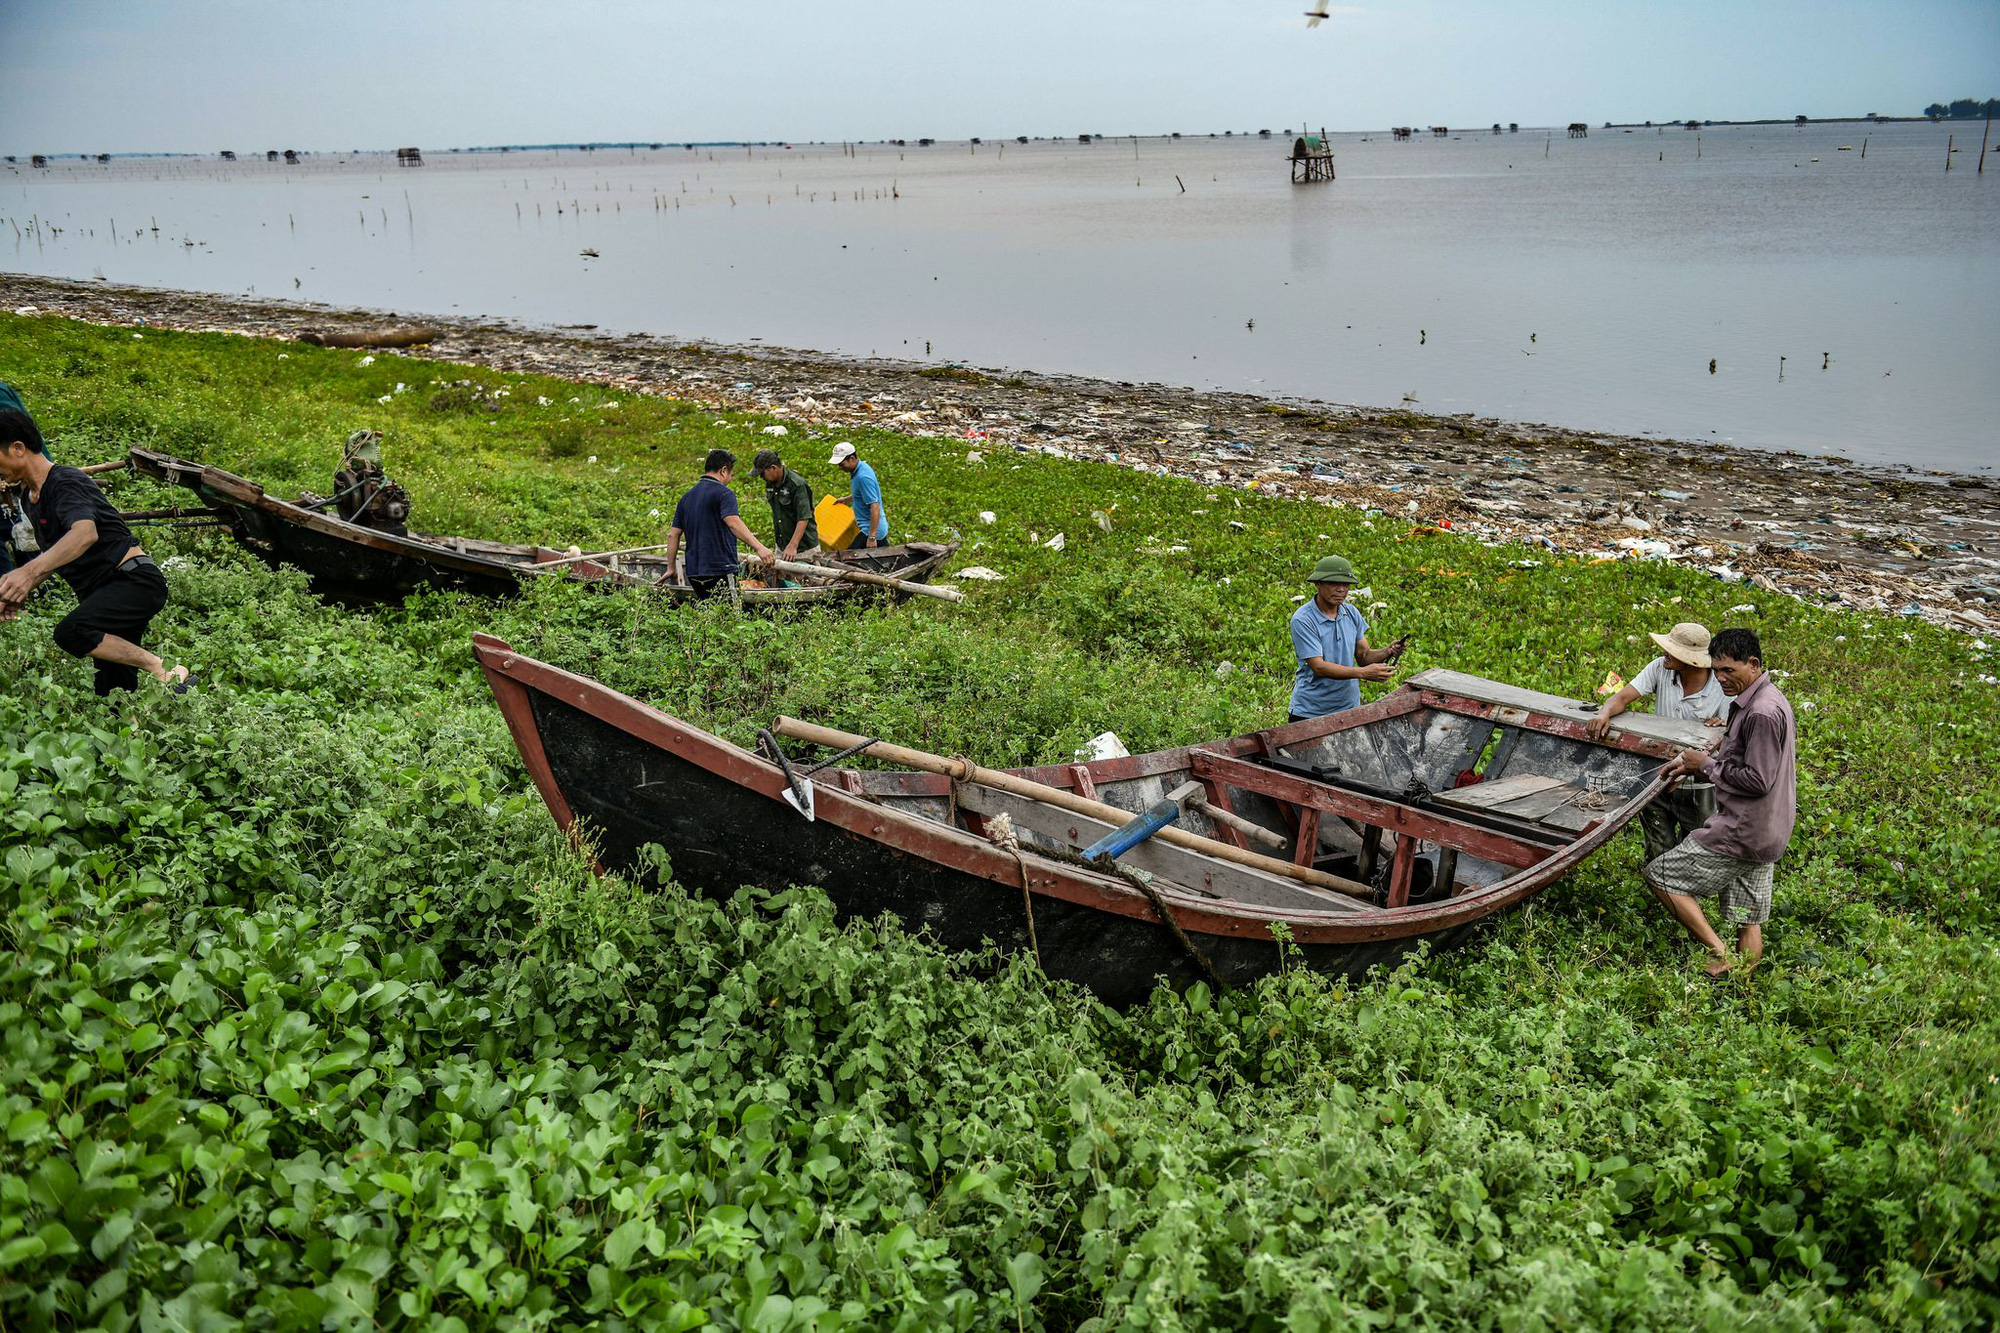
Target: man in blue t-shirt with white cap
871	516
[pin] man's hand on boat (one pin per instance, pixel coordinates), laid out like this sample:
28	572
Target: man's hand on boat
1686	764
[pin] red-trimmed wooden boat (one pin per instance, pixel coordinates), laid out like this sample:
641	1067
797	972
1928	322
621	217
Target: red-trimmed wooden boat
347	560
1454	798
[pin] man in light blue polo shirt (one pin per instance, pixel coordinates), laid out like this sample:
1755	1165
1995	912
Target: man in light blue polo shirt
1330	640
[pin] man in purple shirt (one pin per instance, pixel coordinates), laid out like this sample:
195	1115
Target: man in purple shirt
1754	772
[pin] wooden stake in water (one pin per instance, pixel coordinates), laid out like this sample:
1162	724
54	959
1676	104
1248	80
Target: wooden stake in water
1982	143
1949	139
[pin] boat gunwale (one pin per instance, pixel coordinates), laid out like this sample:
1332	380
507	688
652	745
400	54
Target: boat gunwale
512	675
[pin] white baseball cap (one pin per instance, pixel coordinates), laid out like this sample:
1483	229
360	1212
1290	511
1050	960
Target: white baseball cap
841	452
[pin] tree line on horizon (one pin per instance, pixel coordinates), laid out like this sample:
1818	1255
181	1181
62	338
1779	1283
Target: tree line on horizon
1965	108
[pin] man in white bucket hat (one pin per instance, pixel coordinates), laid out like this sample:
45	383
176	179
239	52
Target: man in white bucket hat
1682	686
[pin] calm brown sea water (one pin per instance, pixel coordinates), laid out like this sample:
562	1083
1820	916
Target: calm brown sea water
1586	282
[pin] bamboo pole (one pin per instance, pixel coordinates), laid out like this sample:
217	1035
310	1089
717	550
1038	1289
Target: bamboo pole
965	770
596	555
155	515
93	469
1237	822
832	571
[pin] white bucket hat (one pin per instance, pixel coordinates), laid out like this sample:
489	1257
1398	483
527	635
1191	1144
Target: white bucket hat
841	452
1687	643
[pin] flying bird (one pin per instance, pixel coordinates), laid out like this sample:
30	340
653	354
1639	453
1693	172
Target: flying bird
1315	17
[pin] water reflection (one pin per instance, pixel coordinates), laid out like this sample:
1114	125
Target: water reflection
1588	282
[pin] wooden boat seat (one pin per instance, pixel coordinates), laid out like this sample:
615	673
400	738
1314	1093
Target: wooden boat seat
1530	798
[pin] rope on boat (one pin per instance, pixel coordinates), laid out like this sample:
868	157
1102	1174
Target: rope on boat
1000	829
1597	799
1145	886
1003	836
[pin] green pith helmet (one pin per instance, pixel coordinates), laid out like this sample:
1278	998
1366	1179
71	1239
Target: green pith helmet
1332	569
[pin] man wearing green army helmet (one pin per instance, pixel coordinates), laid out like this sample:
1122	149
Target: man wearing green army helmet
1330	641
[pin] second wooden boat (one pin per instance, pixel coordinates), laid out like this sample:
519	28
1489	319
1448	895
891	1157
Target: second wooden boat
349	560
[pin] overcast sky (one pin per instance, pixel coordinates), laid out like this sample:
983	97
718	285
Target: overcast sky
200	75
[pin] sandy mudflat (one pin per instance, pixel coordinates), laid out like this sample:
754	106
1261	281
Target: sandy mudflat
1875	538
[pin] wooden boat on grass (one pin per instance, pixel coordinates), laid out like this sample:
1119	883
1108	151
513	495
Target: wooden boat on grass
352	561
1414	818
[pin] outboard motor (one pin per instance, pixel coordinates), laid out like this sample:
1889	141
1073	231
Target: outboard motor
365	495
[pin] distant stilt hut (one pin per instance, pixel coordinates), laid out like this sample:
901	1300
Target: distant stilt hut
1312	158
1401	132
104	157
1578	130
228	156
1440	131
270	155
409	157
38	160
1513	127
1496	127
292	156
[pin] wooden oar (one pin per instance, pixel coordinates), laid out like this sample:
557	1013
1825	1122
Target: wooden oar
802	569
966	771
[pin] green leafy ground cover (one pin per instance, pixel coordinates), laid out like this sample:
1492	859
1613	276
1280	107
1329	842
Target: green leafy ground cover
311	1019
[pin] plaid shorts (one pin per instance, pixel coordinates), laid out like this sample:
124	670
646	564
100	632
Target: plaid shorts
1693	871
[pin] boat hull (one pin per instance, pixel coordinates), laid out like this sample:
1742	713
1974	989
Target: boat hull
620	775
623	793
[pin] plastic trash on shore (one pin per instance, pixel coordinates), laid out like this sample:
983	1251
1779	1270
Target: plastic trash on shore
1613	682
775	430
980	573
1645	548
1104	745
1054	543
988	516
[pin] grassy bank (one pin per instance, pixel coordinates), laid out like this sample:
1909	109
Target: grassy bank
310	1017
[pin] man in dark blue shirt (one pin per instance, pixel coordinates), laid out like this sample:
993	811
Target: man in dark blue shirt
707	520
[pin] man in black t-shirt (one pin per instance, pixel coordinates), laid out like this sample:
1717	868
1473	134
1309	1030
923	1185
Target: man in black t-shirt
80	536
